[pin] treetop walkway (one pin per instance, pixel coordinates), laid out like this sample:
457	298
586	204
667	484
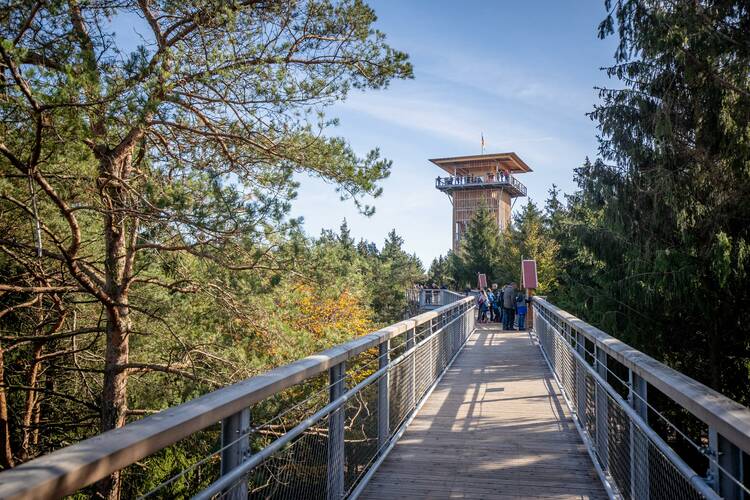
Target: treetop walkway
434	406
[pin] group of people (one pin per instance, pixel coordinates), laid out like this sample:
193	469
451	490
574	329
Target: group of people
505	305
500	176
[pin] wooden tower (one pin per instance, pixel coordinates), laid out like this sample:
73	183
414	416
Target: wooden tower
480	180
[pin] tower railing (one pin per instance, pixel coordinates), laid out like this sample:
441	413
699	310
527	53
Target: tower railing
432	298
612	389
501	179
315	428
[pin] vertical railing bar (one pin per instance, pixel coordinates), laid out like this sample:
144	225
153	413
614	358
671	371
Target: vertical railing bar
580	375
410	334
384	410
728	460
337	377
602	410
233	427
639	459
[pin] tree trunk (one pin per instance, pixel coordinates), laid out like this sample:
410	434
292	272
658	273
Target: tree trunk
31	400
114	173
6	455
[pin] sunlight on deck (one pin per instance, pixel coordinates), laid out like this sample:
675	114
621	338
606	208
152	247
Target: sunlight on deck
495	427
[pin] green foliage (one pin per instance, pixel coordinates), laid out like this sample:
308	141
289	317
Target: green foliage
148	253
529	237
392	273
485	250
441	272
653	245
479	251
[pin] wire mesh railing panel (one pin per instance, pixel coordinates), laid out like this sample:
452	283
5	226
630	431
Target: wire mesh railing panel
590	413
619	446
635	462
298	471
423	368
401	391
360	434
188	465
665	482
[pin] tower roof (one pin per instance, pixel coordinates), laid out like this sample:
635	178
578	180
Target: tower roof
465	165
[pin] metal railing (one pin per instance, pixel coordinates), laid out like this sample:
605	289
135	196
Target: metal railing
606	385
499	180
316	428
432	298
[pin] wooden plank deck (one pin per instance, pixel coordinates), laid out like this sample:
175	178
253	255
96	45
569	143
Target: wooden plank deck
494	427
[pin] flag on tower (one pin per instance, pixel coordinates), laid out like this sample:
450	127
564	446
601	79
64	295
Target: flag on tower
482	142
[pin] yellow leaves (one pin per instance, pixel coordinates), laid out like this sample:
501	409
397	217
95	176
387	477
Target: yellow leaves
338	315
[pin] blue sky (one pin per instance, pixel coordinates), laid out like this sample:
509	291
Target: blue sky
523	73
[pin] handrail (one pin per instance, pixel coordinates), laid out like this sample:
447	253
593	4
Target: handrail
729	418
499	180
435	297
64	471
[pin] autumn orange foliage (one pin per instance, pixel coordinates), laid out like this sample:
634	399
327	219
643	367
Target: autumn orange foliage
340	315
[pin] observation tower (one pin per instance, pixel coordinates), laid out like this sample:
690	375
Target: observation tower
473	181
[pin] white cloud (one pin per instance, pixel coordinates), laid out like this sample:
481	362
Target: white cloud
506	81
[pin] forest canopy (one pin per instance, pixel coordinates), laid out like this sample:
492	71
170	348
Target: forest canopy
148	255
145	191
653	246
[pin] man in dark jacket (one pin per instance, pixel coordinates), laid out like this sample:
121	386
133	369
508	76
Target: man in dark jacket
509	304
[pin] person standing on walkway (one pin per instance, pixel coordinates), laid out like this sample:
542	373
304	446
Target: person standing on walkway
521	309
497	305
491	303
482	303
501	303
509	304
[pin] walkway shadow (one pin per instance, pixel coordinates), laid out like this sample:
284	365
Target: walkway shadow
495	426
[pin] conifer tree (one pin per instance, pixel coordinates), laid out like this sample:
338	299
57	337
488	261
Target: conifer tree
480	245
397	270
440	272
660	219
530	238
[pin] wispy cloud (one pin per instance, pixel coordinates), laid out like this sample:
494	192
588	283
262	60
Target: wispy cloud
439	118
418	114
512	83
436	117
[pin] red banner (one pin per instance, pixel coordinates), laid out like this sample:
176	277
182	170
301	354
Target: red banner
528	274
482	281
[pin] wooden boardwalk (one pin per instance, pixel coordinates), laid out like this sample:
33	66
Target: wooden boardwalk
495	427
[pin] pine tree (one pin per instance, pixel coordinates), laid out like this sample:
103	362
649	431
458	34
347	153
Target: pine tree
531	239
479	250
179	157
395	272
440	272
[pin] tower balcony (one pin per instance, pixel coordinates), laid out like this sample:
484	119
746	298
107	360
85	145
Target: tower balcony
489	181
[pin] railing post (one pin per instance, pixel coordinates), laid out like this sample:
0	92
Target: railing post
639	466
335	483
602	400
729	458
409	344
463	325
384	431
472	324
433	364
235	444
580	378
456	331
